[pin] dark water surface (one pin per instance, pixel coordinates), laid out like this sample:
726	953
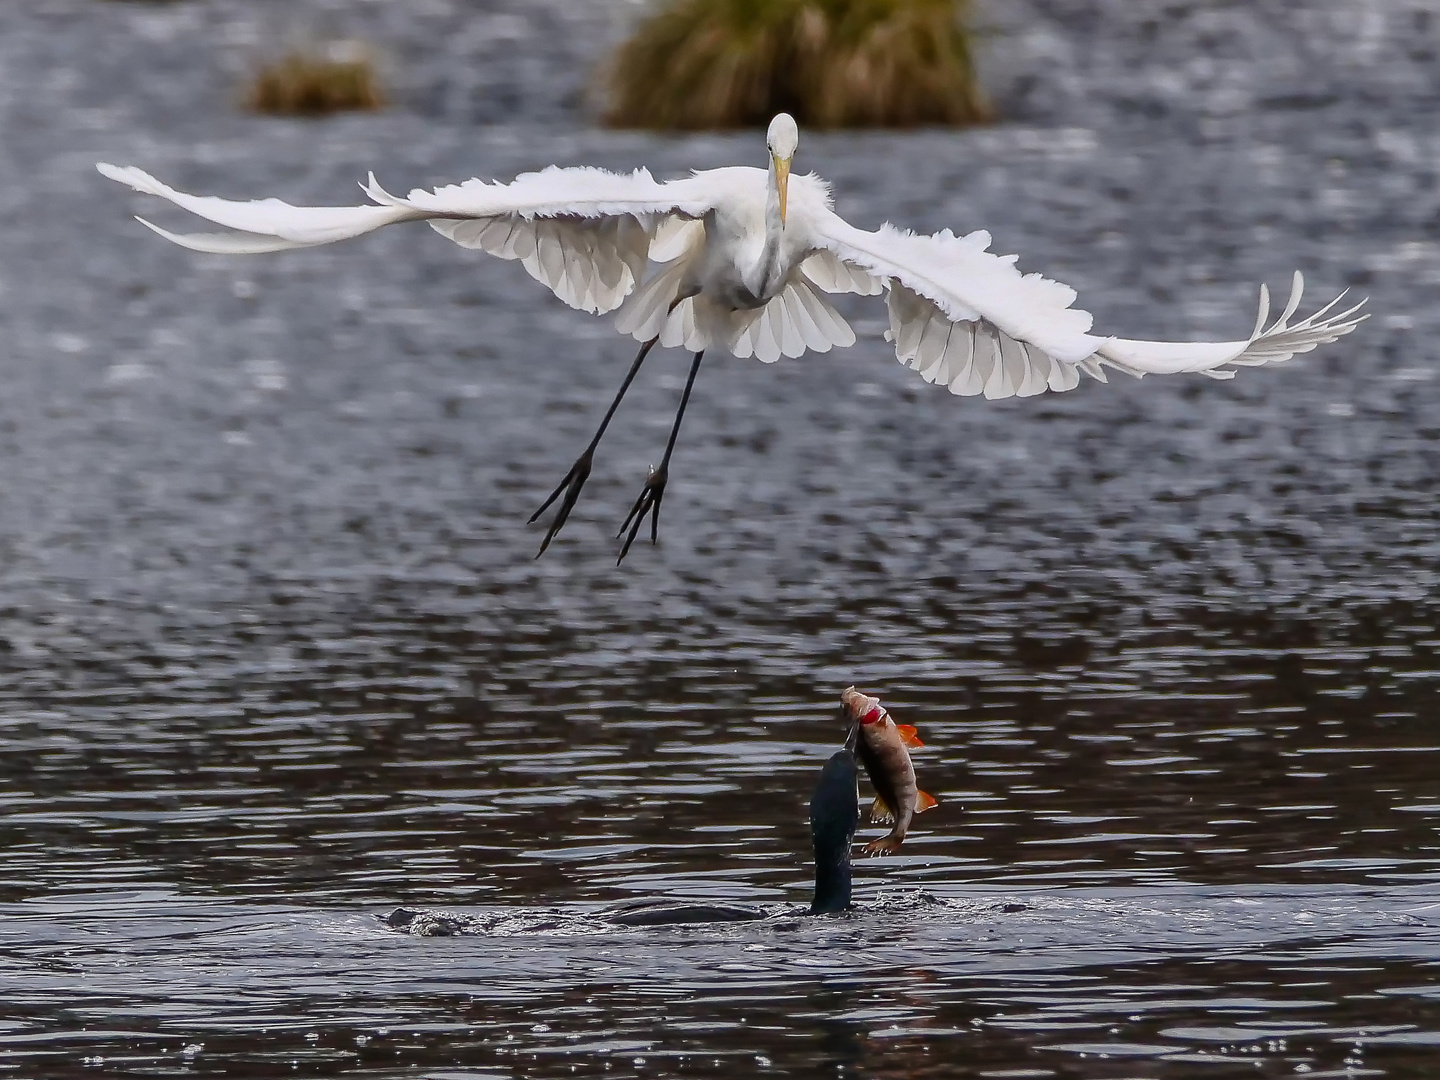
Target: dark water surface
275	655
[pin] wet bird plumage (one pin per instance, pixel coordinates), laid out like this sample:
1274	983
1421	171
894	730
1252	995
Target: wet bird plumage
834	817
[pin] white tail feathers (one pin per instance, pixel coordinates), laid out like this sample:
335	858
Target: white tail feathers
797	320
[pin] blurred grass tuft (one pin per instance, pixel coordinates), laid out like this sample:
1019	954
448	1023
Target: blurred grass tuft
338	78
831	63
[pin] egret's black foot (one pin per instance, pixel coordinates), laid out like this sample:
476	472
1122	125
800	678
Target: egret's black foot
570	487
648	502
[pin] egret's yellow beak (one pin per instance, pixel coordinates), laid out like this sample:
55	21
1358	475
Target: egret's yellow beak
782	182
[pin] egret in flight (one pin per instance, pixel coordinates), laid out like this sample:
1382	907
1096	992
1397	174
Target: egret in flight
742	259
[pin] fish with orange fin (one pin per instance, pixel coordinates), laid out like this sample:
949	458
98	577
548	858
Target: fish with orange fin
883	748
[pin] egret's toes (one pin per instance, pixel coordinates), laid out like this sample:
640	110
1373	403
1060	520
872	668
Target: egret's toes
570	488
648	502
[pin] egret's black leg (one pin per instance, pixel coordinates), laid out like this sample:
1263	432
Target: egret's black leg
654	490
580	471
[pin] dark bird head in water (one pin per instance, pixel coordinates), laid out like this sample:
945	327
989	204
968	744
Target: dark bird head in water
834	816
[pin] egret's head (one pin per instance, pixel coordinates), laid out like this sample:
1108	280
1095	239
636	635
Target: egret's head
782	139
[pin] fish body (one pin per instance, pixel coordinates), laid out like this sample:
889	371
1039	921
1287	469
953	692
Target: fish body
883	748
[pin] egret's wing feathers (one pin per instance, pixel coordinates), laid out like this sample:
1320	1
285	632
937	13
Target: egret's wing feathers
583	232
298	226
675	237
959	315
590	263
968	320
231	243
580	191
833	274
970	356
1266	345
967	283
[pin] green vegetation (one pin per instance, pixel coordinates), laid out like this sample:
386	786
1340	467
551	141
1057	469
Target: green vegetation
305	83
831	63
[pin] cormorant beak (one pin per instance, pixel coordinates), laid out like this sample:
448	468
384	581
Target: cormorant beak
782	182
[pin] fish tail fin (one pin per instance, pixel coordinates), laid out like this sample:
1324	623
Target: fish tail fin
925	801
886	845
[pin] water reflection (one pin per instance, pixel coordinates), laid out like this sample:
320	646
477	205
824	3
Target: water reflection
1168	974
1110	855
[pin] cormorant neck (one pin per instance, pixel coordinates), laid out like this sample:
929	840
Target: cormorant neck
834	816
832	885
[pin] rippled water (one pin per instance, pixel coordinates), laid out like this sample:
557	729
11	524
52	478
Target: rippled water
275	656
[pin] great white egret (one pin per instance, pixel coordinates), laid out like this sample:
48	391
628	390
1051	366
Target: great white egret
741	259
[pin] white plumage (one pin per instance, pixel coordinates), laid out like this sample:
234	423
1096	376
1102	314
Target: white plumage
742	259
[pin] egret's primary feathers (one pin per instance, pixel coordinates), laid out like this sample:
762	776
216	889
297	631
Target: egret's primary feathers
742	259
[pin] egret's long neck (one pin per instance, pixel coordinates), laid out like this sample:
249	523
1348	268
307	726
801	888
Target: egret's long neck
769	272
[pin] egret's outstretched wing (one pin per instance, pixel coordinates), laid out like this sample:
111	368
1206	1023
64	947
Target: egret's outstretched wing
1271	344
969	320
586	233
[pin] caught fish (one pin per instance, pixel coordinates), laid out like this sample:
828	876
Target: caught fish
883	750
